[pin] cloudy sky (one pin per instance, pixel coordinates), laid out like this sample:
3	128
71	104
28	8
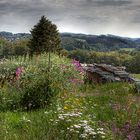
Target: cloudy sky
118	17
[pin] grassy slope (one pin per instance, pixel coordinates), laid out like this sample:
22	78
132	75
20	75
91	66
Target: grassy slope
107	106
137	76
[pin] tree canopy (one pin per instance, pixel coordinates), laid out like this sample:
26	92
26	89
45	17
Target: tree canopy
45	37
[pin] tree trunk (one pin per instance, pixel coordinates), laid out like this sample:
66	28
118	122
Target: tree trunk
37	57
49	61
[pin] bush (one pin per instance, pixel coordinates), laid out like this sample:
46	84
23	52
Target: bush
35	86
10	99
37	94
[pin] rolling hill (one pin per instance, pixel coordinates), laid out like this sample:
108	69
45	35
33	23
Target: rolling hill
71	41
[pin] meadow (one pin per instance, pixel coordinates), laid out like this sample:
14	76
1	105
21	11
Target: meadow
38	102
136	76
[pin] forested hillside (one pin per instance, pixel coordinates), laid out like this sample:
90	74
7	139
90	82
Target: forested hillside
72	41
98	43
108	49
11	37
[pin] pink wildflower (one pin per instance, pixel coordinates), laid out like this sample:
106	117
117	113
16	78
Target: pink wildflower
19	71
78	66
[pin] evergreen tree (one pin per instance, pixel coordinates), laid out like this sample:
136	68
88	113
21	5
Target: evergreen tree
45	37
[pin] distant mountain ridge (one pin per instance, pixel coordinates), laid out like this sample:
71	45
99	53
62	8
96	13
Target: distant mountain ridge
99	42
10	36
72	41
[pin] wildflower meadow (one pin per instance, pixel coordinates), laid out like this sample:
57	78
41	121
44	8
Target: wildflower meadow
56	104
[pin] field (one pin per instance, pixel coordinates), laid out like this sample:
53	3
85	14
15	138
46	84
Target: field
70	109
128	49
136	76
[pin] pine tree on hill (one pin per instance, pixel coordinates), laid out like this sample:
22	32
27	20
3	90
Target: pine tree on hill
45	37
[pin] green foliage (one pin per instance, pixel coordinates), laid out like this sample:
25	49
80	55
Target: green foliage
116	58
5	48
9	99
103	43
70	43
21	47
136	76
15	48
38	94
45	37
98	112
134	64
66	108
82	48
36	85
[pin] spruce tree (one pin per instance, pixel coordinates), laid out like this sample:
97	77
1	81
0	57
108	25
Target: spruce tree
45	37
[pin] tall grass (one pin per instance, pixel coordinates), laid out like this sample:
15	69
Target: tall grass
75	111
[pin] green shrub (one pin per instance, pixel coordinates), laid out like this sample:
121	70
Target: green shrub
36	86
10	99
37	94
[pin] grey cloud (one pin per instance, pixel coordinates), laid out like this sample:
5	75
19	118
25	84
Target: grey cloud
135	20
89	16
91	19
113	2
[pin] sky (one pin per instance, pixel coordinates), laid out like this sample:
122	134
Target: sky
117	17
